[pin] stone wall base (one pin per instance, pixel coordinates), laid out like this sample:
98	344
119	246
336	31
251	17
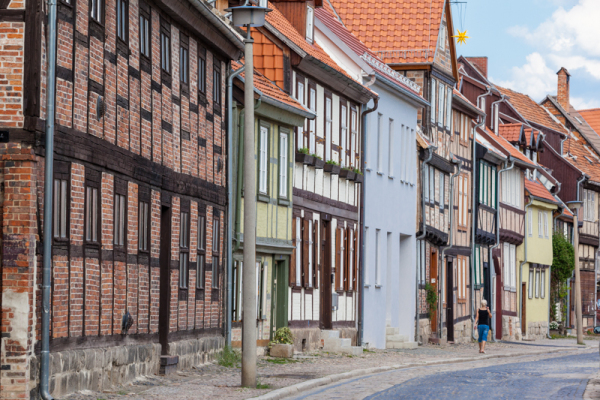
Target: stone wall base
537	330
511	328
306	339
424	330
104	368
462	331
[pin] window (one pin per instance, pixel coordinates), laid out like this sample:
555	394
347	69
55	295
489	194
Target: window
165	52
60	208
328	127
308	281
343	134
236	307
529	223
531	283
442	191
589	211
512	187
283	164
461	277
509	266
479	260
432	100
441	103
449	108
310	22
261	289
122	18
145	42
184	249
202	72
377	257
426	183
546	224
540	224
201	249
422	261
91	214
298	252
119	220
96	8
391	148
537	284
543	284
443	37
463	200
216	241
216	82
263	160
143	229
312	123
379	144
354	137
300	98
184	59
432	185
487	184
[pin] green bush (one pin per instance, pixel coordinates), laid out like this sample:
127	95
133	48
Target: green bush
331	162
229	358
283	336
432	298
303	150
357	171
316	156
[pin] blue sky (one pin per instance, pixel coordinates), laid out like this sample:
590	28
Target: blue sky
527	41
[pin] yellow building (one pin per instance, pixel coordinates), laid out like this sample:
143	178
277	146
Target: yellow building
534	268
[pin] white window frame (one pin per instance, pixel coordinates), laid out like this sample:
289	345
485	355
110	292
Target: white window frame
298	251
537	283
283	164
449	110
343	133
540	224
529	223
440	106
442	190
379	144
377	257
391	148
426	184
432	101
312	123
543	284
432	185
309	278
328	127
531	283
546	225
263	161
310	23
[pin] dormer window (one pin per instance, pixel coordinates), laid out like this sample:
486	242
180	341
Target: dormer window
310	23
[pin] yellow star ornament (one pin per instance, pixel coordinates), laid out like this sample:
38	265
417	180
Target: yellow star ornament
461	37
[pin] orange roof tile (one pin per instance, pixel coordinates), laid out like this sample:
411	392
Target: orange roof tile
399	31
592	117
585	158
530	110
505	146
510	132
268	88
537	189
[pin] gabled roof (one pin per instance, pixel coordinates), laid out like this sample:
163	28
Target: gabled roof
400	31
511	132
272	91
592	117
326	16
585	159
461	99
421	141
507	148
538	190
530	110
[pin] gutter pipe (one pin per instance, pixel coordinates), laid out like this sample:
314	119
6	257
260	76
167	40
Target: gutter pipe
431	150
48	197
473	207
457	163
232	74
363	140
512	165
219	23
523	263
497	104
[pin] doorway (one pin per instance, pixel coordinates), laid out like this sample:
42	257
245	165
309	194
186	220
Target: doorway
279	306
326	276
450	300
433	280
523	309
165	287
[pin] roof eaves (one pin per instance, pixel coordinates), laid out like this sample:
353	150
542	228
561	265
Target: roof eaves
468	104
286	40
351	82
572	121
412	97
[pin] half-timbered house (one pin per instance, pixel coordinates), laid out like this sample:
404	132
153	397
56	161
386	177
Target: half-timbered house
139	192
390	148
423	51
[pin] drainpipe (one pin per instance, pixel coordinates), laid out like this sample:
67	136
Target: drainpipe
562	143
363	144
431	150
497	104
230	77
512	165
48	181
550	300
450	245
519	291
473	209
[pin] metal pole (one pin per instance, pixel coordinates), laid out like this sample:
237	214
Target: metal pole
48	183
249	271
229	307
577	280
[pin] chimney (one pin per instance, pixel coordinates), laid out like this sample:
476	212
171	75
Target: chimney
562	94
481	63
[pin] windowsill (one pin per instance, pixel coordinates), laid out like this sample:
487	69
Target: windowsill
391	177
367	285
378	286
379	173
264	198
283	202
368	169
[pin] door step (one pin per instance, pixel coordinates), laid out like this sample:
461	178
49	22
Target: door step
332	343
394	340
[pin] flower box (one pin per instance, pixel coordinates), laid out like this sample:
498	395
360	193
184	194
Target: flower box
359	178
318	163
305	158
332	168
347	174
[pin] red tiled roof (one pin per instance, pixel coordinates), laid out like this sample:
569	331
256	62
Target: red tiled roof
327	17
592	117
510	132
400	31
584	161
503	144
535	188
268	88
530	110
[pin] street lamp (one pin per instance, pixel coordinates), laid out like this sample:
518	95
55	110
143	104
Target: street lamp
575	206
249	16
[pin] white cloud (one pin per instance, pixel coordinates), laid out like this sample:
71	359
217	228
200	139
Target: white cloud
583	104
534	78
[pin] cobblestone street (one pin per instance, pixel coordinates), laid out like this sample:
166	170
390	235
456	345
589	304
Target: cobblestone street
453	378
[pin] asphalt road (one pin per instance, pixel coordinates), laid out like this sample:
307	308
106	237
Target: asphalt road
548	376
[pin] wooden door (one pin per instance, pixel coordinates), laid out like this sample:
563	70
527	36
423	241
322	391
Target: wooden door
450	300
524	309
326	276
279	312
165	278
433	280
499	294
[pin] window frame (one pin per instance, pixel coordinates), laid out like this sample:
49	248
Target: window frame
531	283
343	132
312	123
98	6
61	215
216	254
328	126
120	220
166	56
201	252
184	65
201	74
283	161
310	24
432	101
354	136
144	224
391	148
122	24
184	248
145	34
92	214
263	159
217	87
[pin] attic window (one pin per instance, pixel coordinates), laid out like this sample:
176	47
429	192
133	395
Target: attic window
310	23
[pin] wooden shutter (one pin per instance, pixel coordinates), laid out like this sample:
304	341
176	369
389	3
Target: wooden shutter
293	256
346	259
338	256
305	243
316	267
356	269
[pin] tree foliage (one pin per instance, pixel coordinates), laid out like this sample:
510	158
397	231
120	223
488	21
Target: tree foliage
564	258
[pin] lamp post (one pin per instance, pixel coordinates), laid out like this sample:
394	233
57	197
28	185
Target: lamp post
249	16
575	206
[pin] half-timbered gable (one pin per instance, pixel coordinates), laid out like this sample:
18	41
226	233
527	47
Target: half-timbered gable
138	186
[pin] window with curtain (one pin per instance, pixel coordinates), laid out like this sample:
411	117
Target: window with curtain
263	160
283	164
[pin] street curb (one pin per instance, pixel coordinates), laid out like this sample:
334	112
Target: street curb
313	383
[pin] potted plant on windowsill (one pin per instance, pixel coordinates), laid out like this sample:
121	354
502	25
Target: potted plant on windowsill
318	162
332	167
358	176
347	173
303	157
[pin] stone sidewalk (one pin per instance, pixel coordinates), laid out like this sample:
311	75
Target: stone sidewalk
213	381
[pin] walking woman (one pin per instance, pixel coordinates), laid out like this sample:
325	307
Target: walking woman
482	321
